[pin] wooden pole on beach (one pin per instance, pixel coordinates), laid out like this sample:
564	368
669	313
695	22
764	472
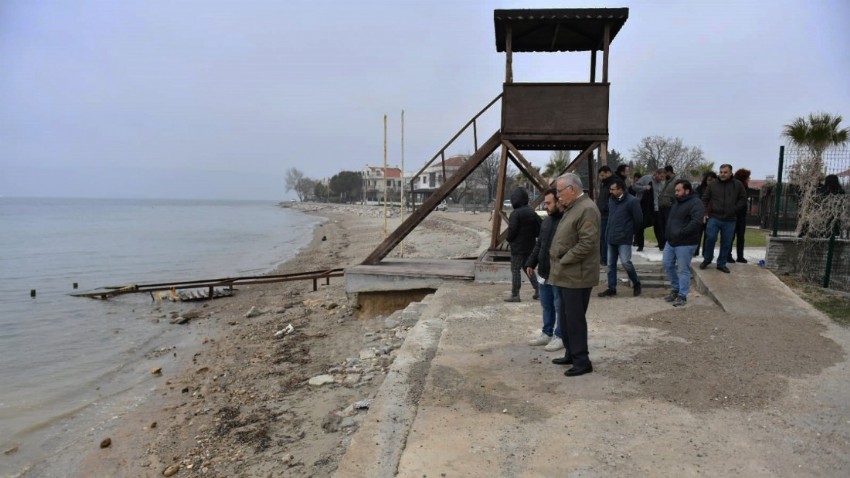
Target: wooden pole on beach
402	178
385	177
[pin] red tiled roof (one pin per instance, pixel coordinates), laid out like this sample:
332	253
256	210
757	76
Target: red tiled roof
391	172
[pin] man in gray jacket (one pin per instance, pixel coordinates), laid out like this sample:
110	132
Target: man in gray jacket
723	198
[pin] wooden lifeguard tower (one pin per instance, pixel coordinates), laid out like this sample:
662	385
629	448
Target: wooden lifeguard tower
534	116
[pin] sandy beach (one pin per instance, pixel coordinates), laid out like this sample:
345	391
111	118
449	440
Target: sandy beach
236	397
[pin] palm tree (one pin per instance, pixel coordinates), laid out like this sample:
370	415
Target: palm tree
558	162
817	133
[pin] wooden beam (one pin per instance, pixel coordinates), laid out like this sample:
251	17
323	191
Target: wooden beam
525	166
500	196
509	71
606	42
593	66
554	37
425	209
603	153
579	159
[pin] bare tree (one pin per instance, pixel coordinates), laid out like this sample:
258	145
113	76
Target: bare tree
486	175
655	152
293	176
304	188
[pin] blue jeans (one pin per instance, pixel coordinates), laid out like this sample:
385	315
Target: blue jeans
727	231
624	251
550	299
603	241
677	263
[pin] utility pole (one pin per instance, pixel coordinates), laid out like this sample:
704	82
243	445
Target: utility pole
402	177
385	177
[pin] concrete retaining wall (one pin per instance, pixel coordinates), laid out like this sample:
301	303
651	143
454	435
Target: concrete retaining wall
784	254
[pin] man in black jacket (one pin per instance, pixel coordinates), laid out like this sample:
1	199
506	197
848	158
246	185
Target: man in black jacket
624	220
684	228
606	177
724	198
523	228
550	299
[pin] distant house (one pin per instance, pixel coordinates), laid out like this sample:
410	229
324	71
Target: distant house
433	177
375	182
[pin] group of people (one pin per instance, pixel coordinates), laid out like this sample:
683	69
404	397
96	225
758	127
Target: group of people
565	256
682	219
561	254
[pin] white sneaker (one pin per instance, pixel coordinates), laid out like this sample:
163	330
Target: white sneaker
542	340
554	345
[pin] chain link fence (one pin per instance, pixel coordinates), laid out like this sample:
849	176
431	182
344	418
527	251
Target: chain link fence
808	210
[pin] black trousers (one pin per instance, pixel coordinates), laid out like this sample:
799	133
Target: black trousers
659	222
639	239
740	230
573	323
517	271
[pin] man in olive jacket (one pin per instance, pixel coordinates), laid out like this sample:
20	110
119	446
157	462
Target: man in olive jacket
574	263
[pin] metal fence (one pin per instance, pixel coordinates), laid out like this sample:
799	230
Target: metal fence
808	211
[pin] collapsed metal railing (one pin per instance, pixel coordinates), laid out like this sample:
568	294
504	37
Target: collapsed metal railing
211	284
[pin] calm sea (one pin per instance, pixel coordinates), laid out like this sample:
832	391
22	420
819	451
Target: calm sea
66	362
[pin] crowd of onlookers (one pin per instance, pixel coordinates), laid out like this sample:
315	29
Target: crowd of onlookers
561	254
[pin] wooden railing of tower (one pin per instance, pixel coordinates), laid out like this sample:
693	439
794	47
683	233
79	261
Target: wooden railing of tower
422	212
442	151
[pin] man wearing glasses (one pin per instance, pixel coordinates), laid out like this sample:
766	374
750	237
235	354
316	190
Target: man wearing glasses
574	263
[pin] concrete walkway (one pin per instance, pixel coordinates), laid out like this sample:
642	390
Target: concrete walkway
467	396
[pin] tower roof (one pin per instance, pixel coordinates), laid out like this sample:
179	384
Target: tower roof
559	29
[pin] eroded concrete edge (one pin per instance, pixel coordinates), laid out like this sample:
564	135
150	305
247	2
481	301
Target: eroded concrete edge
376	448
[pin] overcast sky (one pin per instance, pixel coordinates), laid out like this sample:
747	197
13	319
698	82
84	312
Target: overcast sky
217	99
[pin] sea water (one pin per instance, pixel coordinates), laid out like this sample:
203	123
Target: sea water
61	357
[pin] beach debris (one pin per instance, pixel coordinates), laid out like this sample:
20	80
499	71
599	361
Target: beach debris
284	331
288	459
324	238
11	451
320	380
363	404
171	470
153	425
180	320
156	370
253	312
106	443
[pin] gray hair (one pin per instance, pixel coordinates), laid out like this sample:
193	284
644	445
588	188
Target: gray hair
571	179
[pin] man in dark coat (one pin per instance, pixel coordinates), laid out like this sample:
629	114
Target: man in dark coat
624	221
724	198
523	228
550	299
684	228
606	177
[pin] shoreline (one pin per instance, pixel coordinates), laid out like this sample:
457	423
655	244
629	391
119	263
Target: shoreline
231	365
